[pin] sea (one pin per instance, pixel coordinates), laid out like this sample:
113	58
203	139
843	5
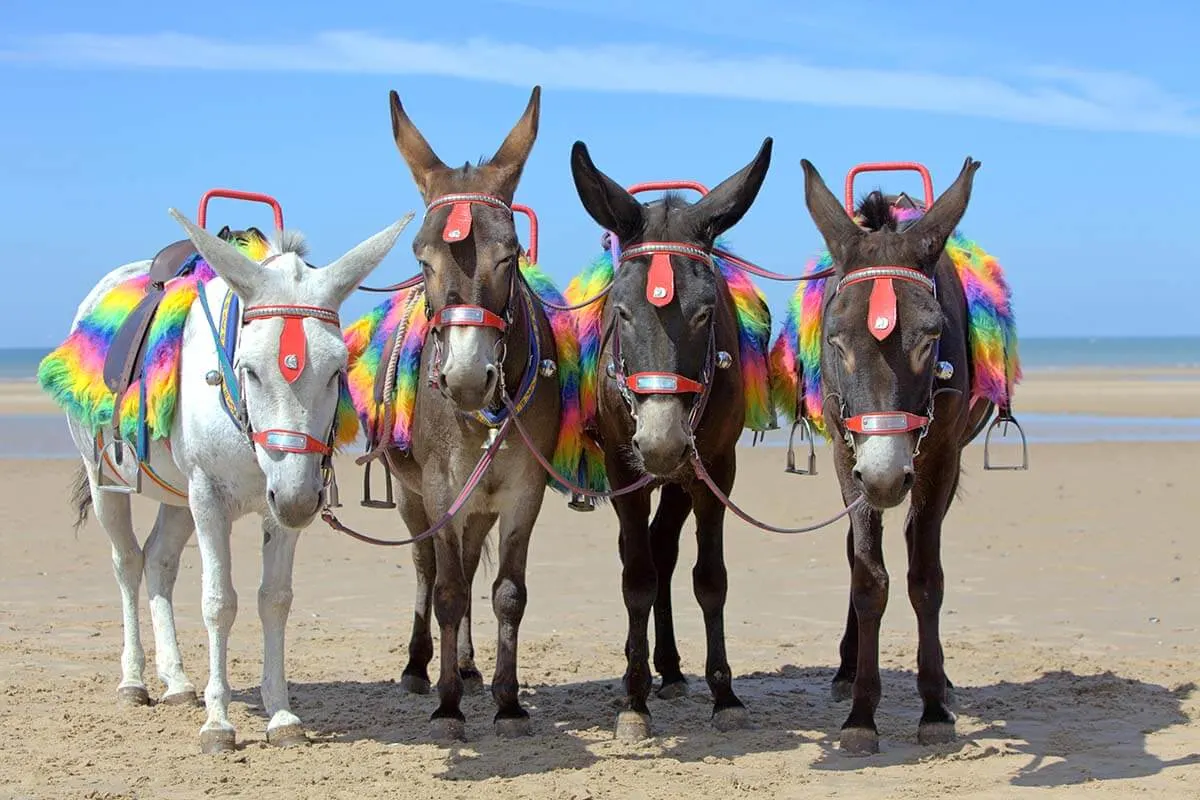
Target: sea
1154	358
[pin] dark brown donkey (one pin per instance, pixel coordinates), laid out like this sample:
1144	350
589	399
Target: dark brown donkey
670	350
484	322
893	313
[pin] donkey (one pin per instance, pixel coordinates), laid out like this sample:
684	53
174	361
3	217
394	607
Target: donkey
273	461
485	320
895	316
664	402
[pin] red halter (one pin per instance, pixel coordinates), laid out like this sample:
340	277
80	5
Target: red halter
881	321
293	347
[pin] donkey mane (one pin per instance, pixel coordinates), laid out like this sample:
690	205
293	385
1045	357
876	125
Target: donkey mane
874	212
290	241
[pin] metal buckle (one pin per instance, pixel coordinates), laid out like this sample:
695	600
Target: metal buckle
116	449
370	502
491	439
806	433
1005	418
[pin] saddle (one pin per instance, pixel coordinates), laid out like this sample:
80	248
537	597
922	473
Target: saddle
125	359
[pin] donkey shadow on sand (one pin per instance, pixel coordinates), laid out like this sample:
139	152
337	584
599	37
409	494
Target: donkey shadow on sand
1105	738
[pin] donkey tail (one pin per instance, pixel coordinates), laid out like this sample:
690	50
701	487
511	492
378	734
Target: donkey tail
81	496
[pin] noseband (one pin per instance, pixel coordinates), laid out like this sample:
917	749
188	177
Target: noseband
881	321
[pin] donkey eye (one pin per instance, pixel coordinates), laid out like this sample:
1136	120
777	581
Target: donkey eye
702	318
251	375
624	314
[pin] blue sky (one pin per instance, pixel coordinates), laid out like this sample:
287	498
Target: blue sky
1087	124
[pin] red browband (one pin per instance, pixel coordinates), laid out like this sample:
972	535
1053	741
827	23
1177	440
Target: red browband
883	423
660	279
881	311
469	315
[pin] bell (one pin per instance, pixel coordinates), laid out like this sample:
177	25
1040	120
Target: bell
548	368
212	377
724	360
943	371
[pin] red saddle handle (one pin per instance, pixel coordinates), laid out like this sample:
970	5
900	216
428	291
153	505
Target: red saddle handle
532	250
888	166
667	186
238	194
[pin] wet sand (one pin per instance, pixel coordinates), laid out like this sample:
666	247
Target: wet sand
1071	627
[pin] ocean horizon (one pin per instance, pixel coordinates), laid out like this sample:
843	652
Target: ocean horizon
1037	353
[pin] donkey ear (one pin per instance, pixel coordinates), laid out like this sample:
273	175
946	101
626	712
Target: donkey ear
724	206
836	227
412	146
510	158
930	232
343	276
604	199
244	276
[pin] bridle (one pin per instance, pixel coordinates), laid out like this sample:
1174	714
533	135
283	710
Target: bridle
456	229
881	321
660	290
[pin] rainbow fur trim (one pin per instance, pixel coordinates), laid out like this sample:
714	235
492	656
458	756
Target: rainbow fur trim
73	373
367	340
754	332
991	333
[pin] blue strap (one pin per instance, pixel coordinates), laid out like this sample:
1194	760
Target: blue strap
230	378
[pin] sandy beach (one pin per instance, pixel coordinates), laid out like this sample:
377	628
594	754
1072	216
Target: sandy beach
1071	628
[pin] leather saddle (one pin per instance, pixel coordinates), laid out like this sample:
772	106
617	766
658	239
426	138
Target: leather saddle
124	360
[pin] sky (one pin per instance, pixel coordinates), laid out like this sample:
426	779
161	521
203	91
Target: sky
1087	125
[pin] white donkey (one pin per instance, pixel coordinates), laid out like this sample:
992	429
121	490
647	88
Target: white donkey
219	473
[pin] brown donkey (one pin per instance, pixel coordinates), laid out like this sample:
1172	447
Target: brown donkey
895	326
484	322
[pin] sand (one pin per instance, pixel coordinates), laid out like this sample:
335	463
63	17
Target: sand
1071	627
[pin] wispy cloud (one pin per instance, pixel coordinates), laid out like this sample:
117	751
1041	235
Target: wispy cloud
1049	96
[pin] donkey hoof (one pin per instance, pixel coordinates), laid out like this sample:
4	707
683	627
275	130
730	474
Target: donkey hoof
217	740
733	718
448	729
674	690
287	736
842	691
633	726
859	741
513	727
414	684
184	698
133	696
935	733
472	681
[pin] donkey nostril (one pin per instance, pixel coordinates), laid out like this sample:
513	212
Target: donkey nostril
909	478
271	497
858	478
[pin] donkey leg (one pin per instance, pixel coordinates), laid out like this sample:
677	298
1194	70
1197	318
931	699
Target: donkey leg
869	592
710	581
415	677
926	588
218	601
843	680
673	509
449	604
171	532
509	596
474	538
113	512
274	604
639	586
